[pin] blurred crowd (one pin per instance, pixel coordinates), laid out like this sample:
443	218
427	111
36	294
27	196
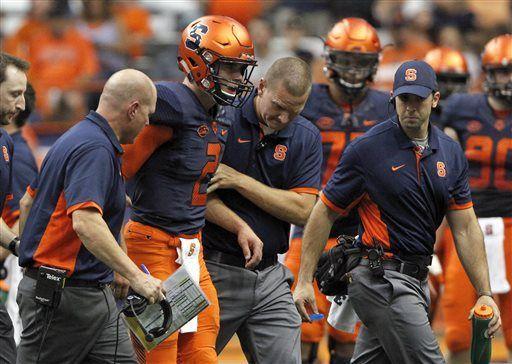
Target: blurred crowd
74	45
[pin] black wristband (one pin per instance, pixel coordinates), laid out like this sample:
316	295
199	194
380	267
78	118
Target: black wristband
484	293
13	245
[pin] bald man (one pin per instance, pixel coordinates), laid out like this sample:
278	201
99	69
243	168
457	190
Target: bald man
70	219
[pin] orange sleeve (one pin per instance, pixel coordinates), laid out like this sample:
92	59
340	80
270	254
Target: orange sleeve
136	154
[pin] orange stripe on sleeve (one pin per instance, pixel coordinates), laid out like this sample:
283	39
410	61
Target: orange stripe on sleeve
84	205
339	210
453	205
136	154
308	190
31	192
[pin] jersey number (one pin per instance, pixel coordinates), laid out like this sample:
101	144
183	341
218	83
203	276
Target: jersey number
481	149
338	141
198	197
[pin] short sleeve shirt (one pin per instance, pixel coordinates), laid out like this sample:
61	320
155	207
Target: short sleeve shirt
401	194
81	170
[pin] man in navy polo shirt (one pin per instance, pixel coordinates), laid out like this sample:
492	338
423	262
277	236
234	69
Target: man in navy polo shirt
24	169
403	176
70	219
268	179
13	82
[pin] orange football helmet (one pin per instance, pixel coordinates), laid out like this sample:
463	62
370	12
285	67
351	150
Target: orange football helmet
451	70
210	42
352	52
497	65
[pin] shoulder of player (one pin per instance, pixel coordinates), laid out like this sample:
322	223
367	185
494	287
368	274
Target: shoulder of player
458	103
373	134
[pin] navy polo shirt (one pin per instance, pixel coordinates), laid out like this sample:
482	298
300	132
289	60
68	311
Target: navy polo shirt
289	160
24	171
5	168
400	194
81	170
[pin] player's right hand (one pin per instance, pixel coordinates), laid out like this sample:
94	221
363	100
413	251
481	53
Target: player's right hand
149	287
304	297
252	247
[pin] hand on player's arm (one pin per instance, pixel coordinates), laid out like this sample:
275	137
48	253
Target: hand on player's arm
313	243
469	242
94	233
289	206
218	213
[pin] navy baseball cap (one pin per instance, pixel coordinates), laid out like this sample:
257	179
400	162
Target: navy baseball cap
415	77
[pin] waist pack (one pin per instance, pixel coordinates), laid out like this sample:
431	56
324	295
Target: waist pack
332	273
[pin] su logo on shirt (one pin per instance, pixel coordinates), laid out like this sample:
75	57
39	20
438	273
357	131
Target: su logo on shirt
280	152
441	169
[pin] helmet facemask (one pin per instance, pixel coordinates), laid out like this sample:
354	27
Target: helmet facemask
501	90
451	83
352	71
224	91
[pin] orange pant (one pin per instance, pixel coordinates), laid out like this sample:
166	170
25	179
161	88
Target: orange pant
459	297
314	332
157	250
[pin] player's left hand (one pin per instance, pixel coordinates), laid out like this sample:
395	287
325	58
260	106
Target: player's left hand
120	286
495	323
225	178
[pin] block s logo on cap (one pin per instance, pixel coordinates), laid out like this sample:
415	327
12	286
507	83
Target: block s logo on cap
410	74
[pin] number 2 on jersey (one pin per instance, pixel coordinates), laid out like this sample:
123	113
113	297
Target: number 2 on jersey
198	197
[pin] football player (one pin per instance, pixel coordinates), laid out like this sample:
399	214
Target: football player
171	163
483	125
342	109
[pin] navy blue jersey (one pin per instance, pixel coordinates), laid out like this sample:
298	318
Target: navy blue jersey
81	170
338	127
5	168
401	194
486	138
24	171
169	190
288	160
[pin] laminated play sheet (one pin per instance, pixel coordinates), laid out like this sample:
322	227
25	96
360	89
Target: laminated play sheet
187	301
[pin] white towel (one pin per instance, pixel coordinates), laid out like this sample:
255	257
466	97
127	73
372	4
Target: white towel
494	238
342	317
188	256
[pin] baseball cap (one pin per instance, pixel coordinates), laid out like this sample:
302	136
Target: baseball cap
415	77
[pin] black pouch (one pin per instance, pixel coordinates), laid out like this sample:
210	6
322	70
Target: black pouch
49	285
333	270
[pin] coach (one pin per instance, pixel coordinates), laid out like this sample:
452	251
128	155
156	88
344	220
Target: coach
403	176
269	178
70	219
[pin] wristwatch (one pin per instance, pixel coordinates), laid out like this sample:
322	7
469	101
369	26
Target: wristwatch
13	245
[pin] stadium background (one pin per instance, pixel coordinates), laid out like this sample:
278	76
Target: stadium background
75	45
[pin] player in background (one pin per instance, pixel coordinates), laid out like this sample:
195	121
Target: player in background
24	171
452	74
342	109
483	125
171	163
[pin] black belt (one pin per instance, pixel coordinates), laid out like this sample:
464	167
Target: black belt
229	259
70	282
411	269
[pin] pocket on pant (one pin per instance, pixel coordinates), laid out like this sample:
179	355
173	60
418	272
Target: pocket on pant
138	233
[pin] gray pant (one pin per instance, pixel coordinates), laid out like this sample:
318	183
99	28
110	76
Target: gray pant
393	310
258	307
82	330
7	345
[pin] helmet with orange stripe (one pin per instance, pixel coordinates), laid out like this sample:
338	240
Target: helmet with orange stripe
497	65
352	49
211	45
451	70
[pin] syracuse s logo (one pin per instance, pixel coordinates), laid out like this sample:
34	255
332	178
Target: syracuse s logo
194	36
441	169
410	74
